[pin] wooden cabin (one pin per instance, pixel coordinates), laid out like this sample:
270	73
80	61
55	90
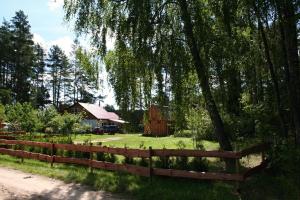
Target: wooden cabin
95	116
156	123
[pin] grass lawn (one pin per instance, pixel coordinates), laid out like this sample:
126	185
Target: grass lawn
131	186
137	140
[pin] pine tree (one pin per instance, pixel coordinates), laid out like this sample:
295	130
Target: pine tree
22	57
40	93
58	64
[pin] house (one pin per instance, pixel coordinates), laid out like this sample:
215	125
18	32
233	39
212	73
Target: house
96	116
156	122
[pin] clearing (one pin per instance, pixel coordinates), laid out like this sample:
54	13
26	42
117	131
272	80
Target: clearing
139	141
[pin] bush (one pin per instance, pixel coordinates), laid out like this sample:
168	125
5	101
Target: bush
183	133
46	115
199	122
199	163
259	119
285	161
23	117
181	162
65	123
2	113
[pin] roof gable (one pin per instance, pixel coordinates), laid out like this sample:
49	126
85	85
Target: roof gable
99	112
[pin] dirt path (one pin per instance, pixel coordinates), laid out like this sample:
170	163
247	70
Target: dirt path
17	185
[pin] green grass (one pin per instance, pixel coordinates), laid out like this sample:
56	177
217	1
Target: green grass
136	140
130	186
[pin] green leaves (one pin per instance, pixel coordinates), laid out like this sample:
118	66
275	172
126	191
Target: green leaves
23	117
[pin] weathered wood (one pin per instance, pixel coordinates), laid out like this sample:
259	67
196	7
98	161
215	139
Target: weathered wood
52	153
254	149
73	147
121	151
7	137
194	153
197	175
138	170
79	161
13	133
25	154
27	143
150	163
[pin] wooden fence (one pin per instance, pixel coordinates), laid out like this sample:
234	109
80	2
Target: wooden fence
146	153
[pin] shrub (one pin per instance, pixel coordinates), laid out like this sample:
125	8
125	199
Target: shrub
2	113
183	133
23	116
181	162
65	123
199	122
110	157
199	163
100	155
128	160
46	115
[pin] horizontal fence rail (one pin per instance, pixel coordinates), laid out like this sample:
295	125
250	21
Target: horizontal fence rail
140	153
12	133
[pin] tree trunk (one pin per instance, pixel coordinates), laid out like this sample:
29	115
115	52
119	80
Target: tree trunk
287	17
233	85
223	137
283	127
221	82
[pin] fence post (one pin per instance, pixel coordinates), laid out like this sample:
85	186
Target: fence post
263	155
91	158
22	149
237	169
52	153
150	163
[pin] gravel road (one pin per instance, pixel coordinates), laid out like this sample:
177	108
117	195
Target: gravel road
17	185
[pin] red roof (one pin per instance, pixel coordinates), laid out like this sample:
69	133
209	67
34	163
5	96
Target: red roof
99	112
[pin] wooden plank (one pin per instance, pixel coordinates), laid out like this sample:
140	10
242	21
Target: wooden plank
255	149
256	169
7	151
37	144
2	141
194	153
121	151
197	175
26	154
78	161
7	137
72	147
13	133
27	143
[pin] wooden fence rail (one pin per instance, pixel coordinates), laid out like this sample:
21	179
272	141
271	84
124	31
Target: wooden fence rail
13	133
140	153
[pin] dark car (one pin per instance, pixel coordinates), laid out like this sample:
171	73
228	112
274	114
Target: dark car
98	130
110	129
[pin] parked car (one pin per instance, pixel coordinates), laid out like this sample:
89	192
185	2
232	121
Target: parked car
98	130
110	129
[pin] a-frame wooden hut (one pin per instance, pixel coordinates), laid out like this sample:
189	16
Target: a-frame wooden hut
156	124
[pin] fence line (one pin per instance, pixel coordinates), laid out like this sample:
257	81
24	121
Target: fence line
13	133
140	153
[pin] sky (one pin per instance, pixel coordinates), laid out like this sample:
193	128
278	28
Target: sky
49	28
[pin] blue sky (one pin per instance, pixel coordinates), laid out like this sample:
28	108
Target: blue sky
46	20
49	28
